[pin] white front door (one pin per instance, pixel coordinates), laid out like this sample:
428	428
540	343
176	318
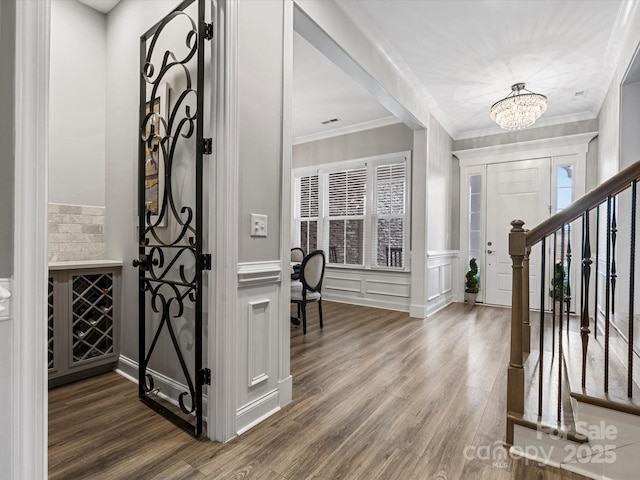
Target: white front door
515	190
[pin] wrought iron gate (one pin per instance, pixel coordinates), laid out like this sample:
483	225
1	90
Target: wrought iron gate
170	202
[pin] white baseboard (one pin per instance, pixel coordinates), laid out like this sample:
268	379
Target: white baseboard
418	311
255	412
285	386
438	303
169	389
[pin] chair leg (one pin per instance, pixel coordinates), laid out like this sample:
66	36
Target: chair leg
320	312
298	310
304	318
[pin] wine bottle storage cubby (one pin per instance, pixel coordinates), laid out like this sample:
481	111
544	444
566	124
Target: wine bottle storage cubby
83	322
91	312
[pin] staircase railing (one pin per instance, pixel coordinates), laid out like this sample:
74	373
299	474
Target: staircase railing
591	218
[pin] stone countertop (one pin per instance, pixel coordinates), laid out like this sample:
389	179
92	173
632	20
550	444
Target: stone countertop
81	264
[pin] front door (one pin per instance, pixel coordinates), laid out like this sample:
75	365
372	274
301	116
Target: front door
515	190
170	208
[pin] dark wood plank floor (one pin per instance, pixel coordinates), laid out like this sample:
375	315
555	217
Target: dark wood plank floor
376	395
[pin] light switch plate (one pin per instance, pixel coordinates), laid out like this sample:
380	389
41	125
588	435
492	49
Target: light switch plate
258	225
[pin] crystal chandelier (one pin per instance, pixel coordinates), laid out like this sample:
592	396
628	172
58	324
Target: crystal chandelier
518	110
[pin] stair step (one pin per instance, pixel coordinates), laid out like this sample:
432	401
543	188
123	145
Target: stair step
593	392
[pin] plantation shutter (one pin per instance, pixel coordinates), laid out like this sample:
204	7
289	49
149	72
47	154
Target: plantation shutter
347	192
389	216
306	211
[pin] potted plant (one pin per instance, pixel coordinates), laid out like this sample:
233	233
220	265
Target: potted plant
472	285
558	289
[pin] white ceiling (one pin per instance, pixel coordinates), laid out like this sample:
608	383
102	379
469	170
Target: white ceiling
464	55
103	6
322	91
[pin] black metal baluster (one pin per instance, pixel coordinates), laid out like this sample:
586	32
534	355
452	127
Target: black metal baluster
614	236
560	321
543	247
595	284
607	298
553	297
586	276
568	274
632	275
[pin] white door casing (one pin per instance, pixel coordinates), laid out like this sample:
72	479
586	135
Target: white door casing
515	190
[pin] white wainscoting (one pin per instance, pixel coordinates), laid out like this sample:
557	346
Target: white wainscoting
258	326
442	279
370	288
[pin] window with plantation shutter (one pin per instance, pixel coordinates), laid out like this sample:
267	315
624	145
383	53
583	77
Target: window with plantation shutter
346	201
355	211
389	217
306	209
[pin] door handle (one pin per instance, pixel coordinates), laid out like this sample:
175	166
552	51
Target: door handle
143	262
489	251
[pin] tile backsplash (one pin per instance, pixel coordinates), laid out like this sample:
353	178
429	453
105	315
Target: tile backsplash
76	232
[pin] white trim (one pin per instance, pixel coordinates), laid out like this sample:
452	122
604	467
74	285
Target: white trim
261	408
358	127
223	221
367	302
285	382
251	273
83	264
442	253
369	164
543	122
257	377
511	152
29	431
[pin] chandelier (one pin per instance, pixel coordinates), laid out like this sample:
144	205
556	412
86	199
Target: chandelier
518	110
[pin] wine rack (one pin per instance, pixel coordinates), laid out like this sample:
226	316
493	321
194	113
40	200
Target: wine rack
50	328
92	320
83	322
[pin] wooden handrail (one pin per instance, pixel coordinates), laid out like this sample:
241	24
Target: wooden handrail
595	197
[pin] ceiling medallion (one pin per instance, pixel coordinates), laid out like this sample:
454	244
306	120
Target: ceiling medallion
518	110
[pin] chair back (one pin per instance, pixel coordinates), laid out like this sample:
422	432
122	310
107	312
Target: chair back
312	271
297	254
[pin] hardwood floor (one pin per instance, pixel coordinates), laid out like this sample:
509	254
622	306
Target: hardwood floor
376	395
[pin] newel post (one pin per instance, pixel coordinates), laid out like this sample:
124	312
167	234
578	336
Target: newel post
515	372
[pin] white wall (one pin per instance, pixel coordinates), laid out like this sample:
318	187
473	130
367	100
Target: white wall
77	108
260	125
617	148
7	72
443	223
440	176
367	143
125	24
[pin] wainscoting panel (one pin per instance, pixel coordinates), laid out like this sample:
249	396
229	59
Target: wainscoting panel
257	327
372	288
258	323
442	279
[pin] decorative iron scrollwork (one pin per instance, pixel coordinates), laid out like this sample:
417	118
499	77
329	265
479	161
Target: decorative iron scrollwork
170	238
